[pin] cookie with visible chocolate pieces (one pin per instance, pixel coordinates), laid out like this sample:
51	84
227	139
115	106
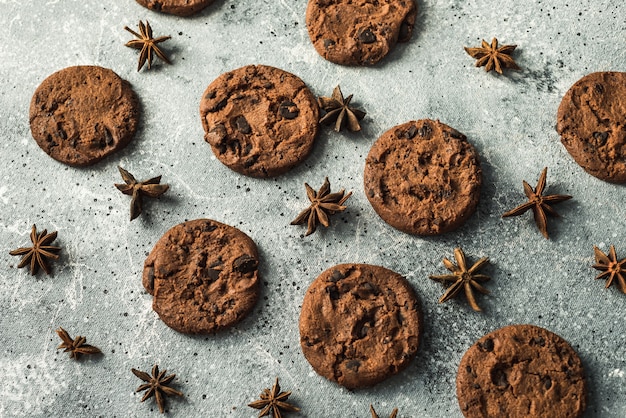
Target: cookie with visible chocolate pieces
176	7
359	324
359	32
521	371
423	177
590	121
259	120
79	115
203	276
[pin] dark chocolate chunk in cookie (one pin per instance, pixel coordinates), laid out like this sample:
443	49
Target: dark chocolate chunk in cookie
359	32
359	324
79	115
203	276
521	371
590	121
423	177
176	7
260	121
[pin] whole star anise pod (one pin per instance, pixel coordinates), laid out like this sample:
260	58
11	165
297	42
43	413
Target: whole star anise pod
610	267
37	255
75	346
493	57
323	204
539	203
273	401
147	43
375	415
339	111
149	188
463	278
157	386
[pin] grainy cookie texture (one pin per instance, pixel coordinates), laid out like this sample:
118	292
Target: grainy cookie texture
203	275
176	7
359	32
259	120
521	371
79	115
423	177
359	324
590	121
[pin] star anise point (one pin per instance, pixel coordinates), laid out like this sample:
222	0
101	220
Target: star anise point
149	188
611	269
493	57
273	402
339	111
75	347
147	44
156	385
37	255
323	204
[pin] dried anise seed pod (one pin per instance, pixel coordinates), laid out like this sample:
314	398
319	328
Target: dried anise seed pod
149	188
75	346
38	254
148	44
323	204
493	57
339	111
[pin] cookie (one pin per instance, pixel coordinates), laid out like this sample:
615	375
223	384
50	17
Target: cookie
590	121
521	371
359	32
423	177
359	324
203	276
260	121
79	115
176	7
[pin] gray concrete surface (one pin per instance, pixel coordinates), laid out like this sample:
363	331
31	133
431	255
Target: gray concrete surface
96	287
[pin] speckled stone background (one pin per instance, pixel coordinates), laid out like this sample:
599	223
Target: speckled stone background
96	287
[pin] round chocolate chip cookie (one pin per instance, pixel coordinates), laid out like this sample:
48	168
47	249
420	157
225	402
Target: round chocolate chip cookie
203	276
359	32
359	324
79	115
590	121
521	371
259	120
176	7
423	177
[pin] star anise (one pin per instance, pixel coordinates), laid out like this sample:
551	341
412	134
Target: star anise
75	346
610	267
493	57
375	415
273	401
539	204
463	278
147	43
39	252
157	386
323	204
149	188
338	110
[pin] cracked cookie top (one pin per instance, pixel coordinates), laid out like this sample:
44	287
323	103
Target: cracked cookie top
259	120
203	275
521	371
359	324
423	177
591	122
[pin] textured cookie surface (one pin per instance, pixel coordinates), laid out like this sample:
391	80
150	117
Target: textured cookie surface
79	115
176	7
359	324
423	177
259	120
521	371
359	32
591	123
203	276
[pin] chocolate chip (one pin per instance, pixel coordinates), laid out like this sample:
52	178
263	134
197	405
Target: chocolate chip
242	125
336	275
367	37
363	331
405	31
487	345
288	110
538	341
250	161
547	382
407	134
468	369
328	42
213	274
208	227
499	377
425	131
333	292
210	95
219	106
150	276
61	132
245	264
108	136
600	138
599	88
456	134
353	365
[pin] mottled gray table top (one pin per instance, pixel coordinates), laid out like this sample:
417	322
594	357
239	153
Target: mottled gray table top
96	288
